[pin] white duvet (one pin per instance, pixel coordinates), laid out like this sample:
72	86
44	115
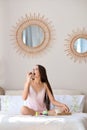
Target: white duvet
76	121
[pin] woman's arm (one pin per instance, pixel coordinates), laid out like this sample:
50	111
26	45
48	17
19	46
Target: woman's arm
26	87
56	103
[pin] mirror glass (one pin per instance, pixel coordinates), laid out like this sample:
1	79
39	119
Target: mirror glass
80	45
33	35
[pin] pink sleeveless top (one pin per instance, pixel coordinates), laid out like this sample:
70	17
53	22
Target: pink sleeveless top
35	100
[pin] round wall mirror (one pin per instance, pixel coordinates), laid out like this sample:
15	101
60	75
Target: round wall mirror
32	34
76	45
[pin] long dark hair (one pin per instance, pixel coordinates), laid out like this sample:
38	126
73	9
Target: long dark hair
44	79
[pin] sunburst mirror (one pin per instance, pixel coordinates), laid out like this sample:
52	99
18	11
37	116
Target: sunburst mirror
32	34
76	45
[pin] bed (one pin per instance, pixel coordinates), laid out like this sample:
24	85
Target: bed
11	119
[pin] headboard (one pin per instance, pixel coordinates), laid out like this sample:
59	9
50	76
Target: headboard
55	91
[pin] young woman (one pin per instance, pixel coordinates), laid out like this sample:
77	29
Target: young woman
38	93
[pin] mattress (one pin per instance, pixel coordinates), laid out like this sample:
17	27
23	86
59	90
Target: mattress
76	121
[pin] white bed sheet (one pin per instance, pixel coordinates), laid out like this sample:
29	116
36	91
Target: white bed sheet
76	121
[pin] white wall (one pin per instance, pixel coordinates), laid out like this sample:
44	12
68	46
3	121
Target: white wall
62	71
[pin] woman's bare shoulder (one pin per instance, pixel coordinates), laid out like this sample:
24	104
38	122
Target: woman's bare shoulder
45	85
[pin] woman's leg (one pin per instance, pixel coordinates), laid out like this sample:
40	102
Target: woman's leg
52	112
27	111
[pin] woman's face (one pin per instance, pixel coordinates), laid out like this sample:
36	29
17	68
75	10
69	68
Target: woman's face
36	71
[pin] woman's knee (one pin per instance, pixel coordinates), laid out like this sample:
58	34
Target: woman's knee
27	111
24	110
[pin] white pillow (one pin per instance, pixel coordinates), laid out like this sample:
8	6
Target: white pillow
74	102
11	104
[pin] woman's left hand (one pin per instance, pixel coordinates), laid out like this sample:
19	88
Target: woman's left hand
65	108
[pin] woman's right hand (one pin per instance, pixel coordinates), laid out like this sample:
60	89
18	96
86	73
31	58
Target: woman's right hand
29	76
26	85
